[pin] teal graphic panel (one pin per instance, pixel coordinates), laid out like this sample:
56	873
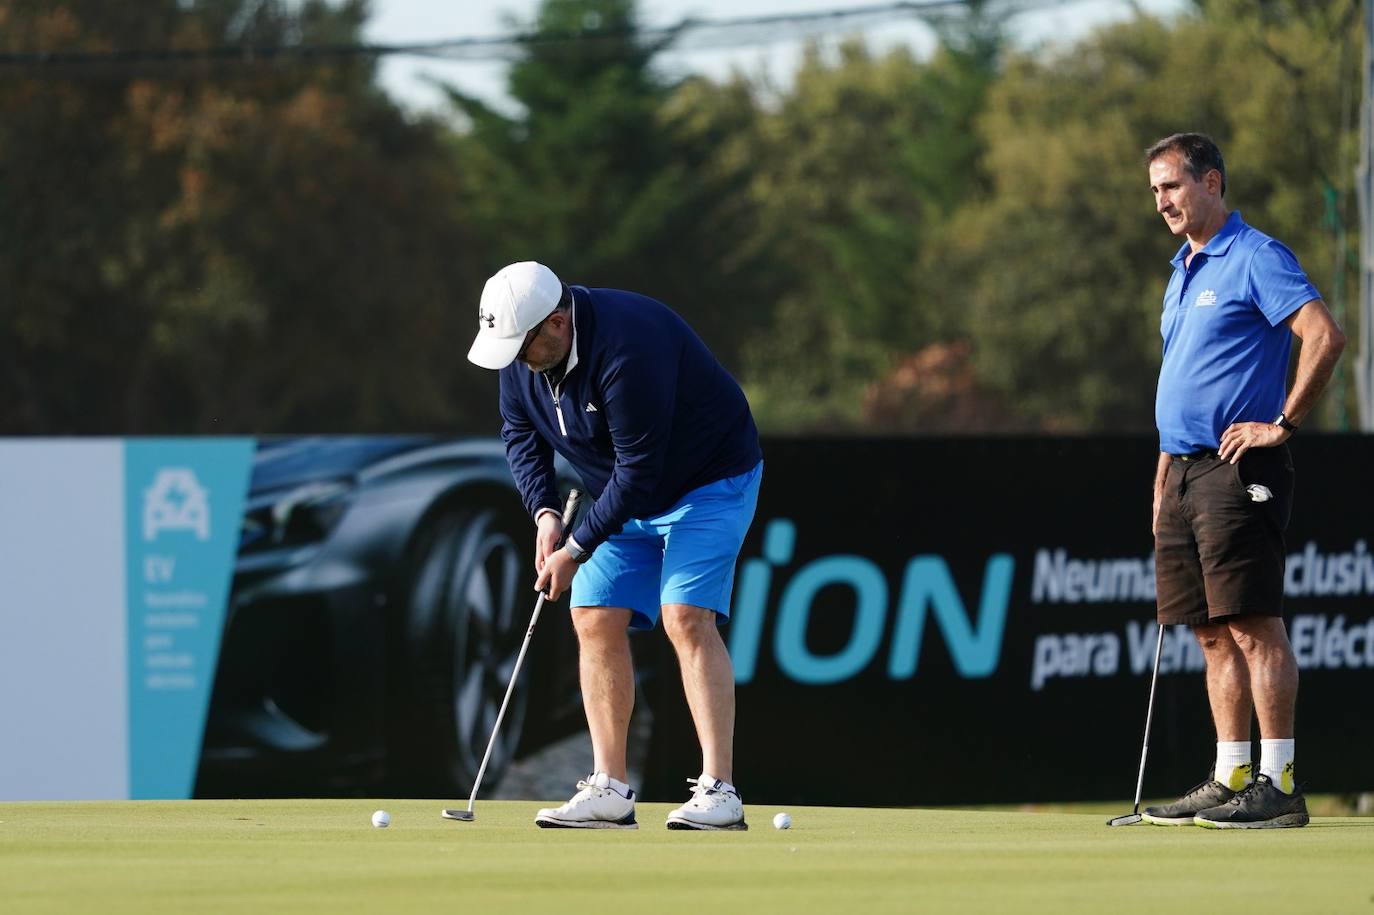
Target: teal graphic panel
183	507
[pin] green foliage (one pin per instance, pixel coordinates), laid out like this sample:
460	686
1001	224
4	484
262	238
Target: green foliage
1062	264
963	242
1065	263
606	174
196	248
861	165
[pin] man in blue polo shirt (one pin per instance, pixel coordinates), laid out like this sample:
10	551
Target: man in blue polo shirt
664	441
1224	482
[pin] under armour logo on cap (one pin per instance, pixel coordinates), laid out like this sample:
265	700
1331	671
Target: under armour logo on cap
482	316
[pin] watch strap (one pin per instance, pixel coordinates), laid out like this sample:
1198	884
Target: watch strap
1283	422
576	551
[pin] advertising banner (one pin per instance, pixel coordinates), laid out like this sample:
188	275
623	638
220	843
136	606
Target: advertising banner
116	560
932	621
929	621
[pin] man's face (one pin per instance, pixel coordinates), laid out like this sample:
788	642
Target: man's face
545	349
1185	202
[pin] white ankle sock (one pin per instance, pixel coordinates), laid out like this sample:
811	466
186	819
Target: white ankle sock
1276	761
711	780
602	780
1234	769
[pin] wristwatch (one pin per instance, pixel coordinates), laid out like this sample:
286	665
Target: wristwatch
1283	422
575	550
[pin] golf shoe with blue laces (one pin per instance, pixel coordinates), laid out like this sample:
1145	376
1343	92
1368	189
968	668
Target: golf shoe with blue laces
713	805
596	805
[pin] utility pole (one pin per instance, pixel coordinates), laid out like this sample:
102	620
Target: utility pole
1364	185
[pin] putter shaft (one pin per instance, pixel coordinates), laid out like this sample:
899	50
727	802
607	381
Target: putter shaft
569	512
496	729
1134	816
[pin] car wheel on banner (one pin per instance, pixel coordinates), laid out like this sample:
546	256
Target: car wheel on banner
469	573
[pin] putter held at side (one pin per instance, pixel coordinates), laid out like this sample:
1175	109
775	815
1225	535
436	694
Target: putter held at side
1130	819
466	816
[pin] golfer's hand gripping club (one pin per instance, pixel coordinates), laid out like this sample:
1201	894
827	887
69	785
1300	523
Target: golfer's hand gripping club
559	568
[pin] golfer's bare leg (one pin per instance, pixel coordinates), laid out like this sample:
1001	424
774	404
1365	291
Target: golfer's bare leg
1263	640
1228	681
709	681
608	683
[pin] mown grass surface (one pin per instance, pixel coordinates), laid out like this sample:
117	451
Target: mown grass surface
324	856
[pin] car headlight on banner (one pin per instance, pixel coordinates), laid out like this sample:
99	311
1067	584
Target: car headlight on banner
304	515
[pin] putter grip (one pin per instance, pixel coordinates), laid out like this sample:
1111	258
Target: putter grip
569	513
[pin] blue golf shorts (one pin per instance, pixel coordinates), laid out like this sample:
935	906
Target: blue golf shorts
686	555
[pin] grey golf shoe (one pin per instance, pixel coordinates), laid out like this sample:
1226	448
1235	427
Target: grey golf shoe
1181	812
1260	806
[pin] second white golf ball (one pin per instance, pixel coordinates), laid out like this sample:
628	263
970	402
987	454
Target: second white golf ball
381	819
782	821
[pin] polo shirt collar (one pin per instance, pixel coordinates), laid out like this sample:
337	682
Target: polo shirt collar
1218	244
553	375
572	356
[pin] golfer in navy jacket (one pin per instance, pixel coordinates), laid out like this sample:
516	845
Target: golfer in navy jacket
663	440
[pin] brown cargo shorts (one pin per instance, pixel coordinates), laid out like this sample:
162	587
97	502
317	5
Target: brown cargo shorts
1218	552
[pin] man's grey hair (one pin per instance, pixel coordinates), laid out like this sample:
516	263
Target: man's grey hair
1200	154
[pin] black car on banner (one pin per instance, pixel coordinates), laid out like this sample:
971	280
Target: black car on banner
381	593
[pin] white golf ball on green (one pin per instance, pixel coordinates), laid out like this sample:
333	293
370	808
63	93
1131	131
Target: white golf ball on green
782	821
381	819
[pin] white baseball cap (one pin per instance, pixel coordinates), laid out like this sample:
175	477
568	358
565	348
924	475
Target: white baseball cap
517	298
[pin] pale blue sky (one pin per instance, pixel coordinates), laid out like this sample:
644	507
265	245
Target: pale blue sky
399	21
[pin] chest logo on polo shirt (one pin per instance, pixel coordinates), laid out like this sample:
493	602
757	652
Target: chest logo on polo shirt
1206	297
591	407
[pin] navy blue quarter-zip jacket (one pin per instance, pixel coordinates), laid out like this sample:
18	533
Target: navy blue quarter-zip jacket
644	414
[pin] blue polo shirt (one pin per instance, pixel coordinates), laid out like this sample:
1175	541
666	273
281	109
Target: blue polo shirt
1225	344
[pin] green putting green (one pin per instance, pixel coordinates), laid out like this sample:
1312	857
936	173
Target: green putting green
324	856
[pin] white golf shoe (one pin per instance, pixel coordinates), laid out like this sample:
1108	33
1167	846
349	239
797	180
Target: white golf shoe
712	806
596	805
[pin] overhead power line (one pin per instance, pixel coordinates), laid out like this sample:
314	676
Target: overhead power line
687	34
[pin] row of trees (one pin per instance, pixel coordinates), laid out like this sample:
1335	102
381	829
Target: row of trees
963	242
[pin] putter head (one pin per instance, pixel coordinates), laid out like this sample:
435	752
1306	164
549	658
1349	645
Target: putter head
450	813
1129	819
